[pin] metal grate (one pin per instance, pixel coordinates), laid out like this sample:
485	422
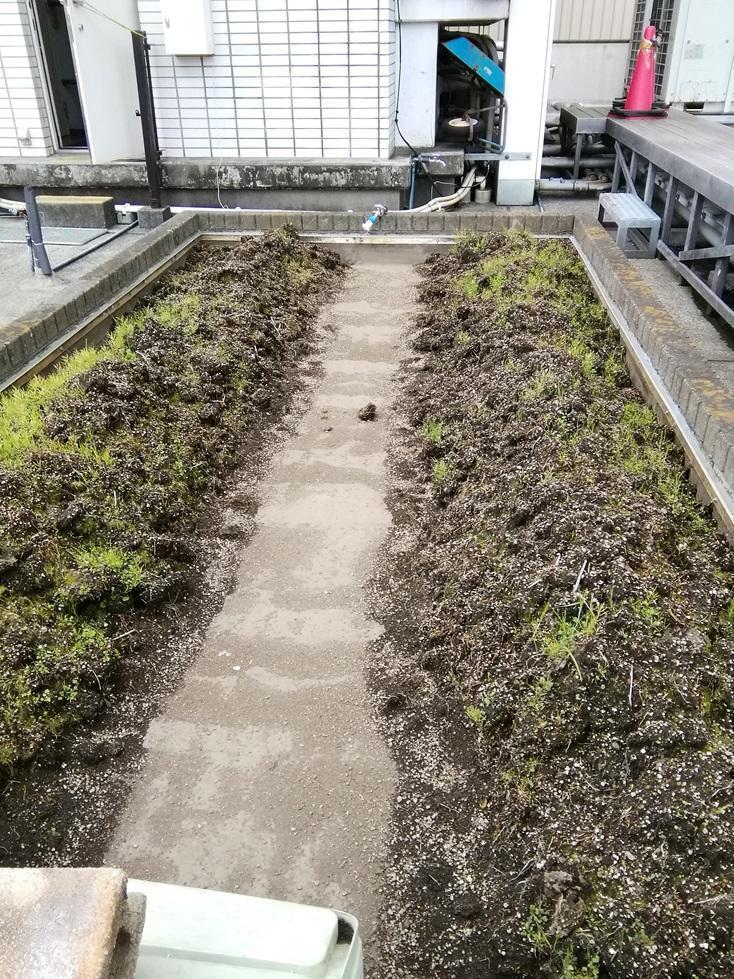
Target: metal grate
659	13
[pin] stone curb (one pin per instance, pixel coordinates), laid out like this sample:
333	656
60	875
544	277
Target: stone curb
705	403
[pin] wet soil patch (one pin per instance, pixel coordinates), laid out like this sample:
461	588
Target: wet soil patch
129	485
556	676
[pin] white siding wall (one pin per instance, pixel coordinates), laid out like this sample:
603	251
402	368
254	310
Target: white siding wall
590	48
593	20
289	78
24	123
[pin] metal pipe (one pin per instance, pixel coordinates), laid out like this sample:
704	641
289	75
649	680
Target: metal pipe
574	186
554	149
34	234
97	244
567	162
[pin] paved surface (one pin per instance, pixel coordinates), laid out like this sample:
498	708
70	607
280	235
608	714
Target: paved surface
31	291
265	775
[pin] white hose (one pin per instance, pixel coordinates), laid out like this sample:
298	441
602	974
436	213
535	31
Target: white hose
437	204
15	207
440	203
559	183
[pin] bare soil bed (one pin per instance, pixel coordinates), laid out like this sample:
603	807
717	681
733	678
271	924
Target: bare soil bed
115	508
557	673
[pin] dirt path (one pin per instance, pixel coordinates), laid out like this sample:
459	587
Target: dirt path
265	774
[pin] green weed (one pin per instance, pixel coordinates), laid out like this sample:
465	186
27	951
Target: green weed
558	634
441	470
648	609
432	431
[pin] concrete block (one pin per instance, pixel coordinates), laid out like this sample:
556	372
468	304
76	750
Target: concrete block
467	222
152	217
39	336
420	222
5	364
451	222
436	222
341	221
712	435
60	922
263	221
727	470
721	450
310	220
216	220
16	353
485	221
293	219
356	219
243	220
518	222
389	222
404	221
76	211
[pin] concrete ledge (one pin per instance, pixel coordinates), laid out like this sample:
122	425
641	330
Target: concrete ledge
64	922
705	403
76	211
49	327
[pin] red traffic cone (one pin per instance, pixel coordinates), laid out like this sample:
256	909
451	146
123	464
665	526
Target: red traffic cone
640	99
641	92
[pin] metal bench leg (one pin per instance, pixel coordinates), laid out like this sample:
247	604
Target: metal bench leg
622	230
652	247
577	157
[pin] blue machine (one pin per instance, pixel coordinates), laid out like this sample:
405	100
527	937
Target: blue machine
482	65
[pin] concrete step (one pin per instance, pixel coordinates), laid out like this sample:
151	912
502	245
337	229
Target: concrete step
68	922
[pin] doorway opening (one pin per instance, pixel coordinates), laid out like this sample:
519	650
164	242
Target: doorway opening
58	64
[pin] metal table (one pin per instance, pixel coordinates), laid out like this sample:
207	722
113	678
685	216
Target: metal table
578	120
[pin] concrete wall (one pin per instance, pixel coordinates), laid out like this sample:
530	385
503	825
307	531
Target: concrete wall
590	50
25	128
588	71
288	78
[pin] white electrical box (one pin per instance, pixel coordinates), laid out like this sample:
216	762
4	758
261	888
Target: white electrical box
700	59
187	27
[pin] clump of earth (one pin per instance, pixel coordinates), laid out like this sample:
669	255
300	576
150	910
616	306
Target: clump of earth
556	676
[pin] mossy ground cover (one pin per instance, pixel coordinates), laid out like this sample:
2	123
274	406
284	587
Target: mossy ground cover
107	464
557	673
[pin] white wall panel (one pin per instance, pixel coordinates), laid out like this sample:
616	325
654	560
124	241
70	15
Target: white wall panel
24	124
593	20
288	78
587	72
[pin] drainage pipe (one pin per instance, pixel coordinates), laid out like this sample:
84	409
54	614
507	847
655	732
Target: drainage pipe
554	149
567	162
440	203
551	184
437	204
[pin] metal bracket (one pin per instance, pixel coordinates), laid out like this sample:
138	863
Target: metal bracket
475	157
